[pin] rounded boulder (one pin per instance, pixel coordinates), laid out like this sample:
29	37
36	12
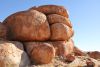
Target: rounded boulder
12	54
51	9
55	18
62	48
40	52
60	32
27	26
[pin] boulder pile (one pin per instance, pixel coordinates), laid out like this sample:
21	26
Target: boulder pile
44	32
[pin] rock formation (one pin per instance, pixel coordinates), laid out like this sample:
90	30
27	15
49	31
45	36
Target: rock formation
78	52
51	9
46	33
94	54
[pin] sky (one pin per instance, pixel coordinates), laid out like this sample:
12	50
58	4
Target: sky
84	15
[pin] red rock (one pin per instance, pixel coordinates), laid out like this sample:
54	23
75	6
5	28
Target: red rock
55	18
28	26
63	48
90	63
70	44
3	31
51	9
40	52
95	54
60	47
69	58
78	52
60	32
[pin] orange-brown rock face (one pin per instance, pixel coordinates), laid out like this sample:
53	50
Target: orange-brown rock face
3	31
95	54
70	44
60	32
63	48
12	54
60	47
55	18
51	9
40	52
37	50
28	26
46	32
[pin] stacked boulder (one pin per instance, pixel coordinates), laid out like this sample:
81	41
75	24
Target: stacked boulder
3	31
45	32
12	53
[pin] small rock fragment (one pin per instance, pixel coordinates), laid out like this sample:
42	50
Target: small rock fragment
90	63
69	58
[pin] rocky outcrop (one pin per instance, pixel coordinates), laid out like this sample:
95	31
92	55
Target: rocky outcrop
12	54
95	54
47	50
78	52
46	33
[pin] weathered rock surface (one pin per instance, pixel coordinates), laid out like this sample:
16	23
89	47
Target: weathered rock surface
60	47
28	26
60	32
63	48
51	9
12	54
69	58
90	63
46	33
55	18
95	54
78	52
3	31
40	52
70	44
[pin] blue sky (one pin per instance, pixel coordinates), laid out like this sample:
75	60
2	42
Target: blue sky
84	14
